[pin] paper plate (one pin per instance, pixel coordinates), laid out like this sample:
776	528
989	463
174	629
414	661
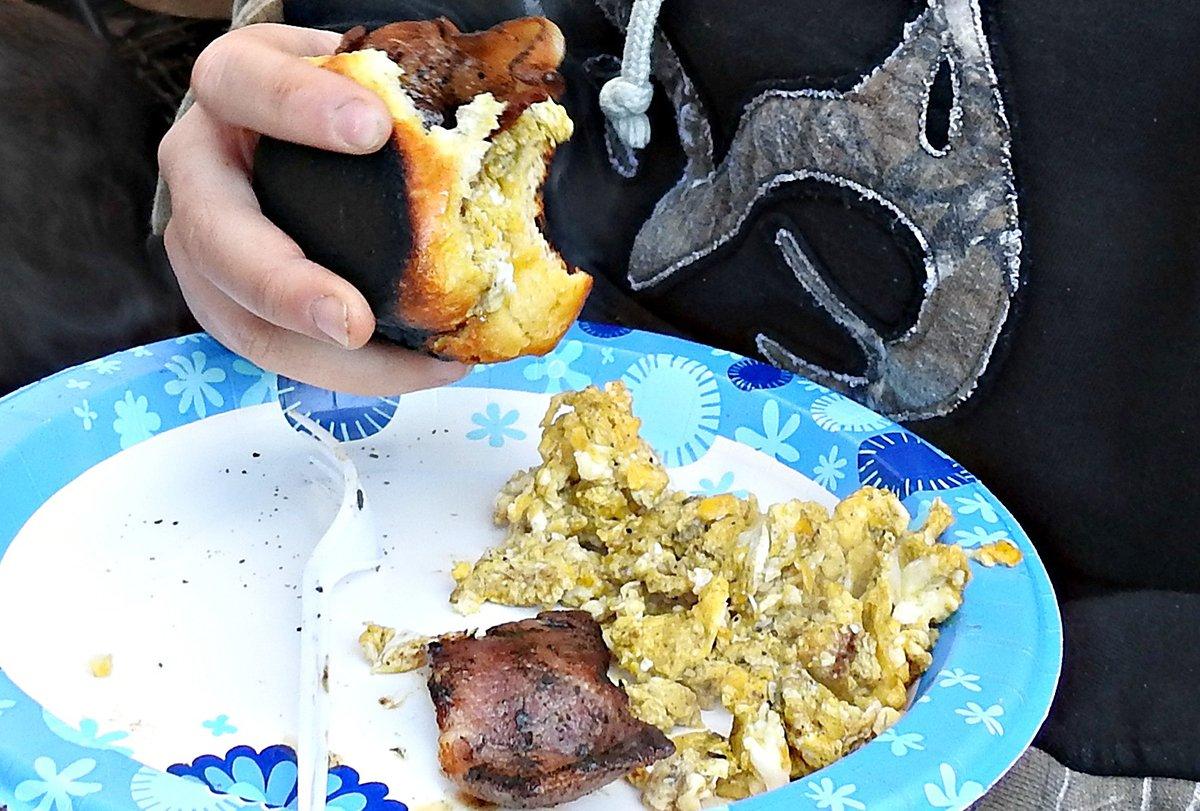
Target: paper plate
155	507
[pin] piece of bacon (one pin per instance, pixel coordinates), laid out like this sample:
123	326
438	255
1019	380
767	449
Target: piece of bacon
516	61
528	717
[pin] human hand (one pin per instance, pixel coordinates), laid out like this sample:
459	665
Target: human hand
248	284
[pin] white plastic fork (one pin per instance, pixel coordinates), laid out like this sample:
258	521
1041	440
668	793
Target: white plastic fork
348	547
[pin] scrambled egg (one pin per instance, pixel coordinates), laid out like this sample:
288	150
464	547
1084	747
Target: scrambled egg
499	210
101	666
807	627
387	654
1003	552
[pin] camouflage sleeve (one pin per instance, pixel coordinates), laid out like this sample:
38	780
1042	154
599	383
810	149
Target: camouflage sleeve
245	12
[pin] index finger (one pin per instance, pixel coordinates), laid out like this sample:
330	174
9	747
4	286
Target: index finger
255	78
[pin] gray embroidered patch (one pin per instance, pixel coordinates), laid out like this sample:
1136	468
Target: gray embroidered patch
959	202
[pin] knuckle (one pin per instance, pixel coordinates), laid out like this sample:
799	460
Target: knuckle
210	66
168	151
264	31
171	245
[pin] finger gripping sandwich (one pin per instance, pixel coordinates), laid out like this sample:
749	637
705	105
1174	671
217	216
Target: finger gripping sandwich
441	229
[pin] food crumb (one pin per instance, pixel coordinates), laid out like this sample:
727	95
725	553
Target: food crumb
101	666
1004	553
392	702
398	751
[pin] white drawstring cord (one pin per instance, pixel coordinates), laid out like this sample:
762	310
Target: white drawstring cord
625	98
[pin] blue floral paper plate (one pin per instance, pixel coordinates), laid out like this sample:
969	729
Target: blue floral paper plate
151	506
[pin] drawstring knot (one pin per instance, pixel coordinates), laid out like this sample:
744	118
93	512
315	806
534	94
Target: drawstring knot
625	104
625	98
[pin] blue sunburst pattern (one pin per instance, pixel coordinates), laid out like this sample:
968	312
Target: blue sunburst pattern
346	416
905	465
598	330
679	404
749	375
834	413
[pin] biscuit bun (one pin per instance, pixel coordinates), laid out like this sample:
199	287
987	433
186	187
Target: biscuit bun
441	229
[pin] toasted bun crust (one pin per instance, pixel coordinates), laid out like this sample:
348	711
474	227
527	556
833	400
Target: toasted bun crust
439	228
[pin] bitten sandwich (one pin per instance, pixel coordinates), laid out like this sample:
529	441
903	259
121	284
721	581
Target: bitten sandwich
441	229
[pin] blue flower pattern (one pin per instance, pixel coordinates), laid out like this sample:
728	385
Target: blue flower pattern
245	779
6	704
85	413
555	369
264	388
978	536
957	677
721	486
220	726
774	437
977	504
949	794
269	777
827	794
193	383
87	734
494	426
135	421
56	788
104	366
901	744
828	471
988	718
